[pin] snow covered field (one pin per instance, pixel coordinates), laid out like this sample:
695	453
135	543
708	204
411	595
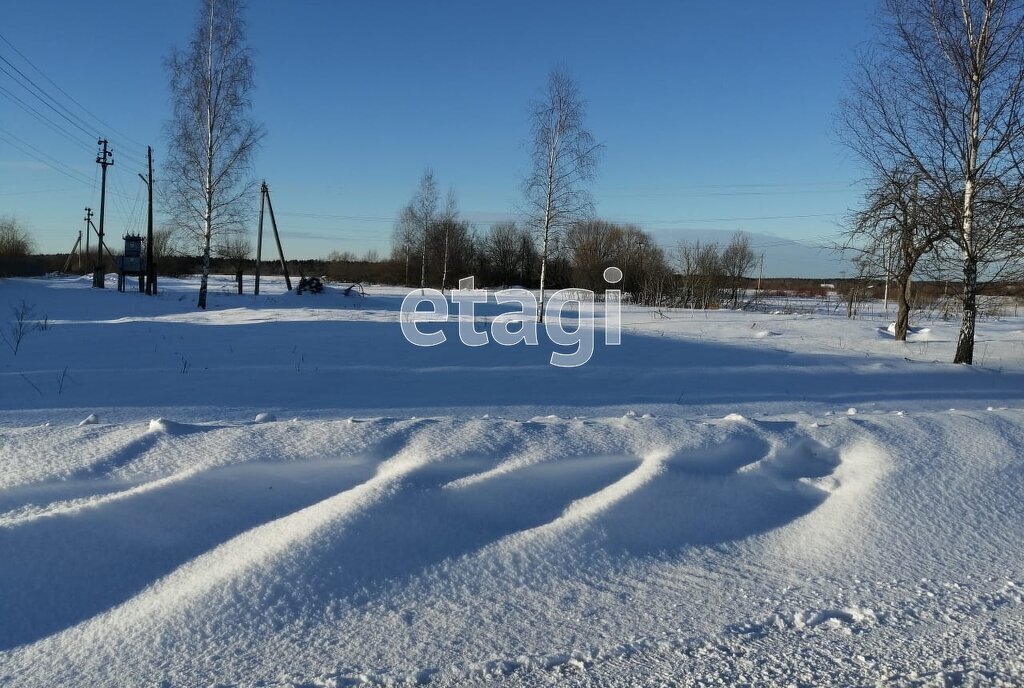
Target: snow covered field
725	498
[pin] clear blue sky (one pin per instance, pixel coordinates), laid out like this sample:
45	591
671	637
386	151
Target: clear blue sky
715	115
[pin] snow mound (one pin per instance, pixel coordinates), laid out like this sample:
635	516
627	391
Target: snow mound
265	418
914	334
91	419
833	618
167	427
764	334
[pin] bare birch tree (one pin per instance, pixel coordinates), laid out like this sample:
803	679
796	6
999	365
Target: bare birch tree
941	96
212	136
422	212
403	239
564	158
449	217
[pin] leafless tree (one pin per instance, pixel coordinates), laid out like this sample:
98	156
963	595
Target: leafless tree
341	257
212	136
564	158
509	253
737	261
15	241
422	214
403	239
500	248
236	250
371	256
592	246
854	290
165	243
941	95
449	218
892	232
700	270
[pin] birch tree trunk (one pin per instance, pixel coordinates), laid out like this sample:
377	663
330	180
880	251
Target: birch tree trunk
965	342
444	269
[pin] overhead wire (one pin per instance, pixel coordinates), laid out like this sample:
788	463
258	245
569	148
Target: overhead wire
39	157
68	95
36	94
54	104
35	191
43	118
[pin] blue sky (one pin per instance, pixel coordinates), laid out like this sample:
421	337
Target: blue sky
715	116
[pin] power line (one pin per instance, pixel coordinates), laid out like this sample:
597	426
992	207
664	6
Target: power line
40	98
325	216
65	93
37	191
58	167
737	219
726	194
54	163
739	185
43	118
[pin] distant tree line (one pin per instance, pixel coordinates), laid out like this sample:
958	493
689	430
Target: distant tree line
507	254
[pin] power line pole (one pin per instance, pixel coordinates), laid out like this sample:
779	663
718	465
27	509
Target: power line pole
150	267
259	238
105	159
71	256
277	237
88	231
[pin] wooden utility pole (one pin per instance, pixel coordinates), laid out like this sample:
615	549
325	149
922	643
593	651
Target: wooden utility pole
150	265
277	237
71	256
259	239
88	231
265	201
105	159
